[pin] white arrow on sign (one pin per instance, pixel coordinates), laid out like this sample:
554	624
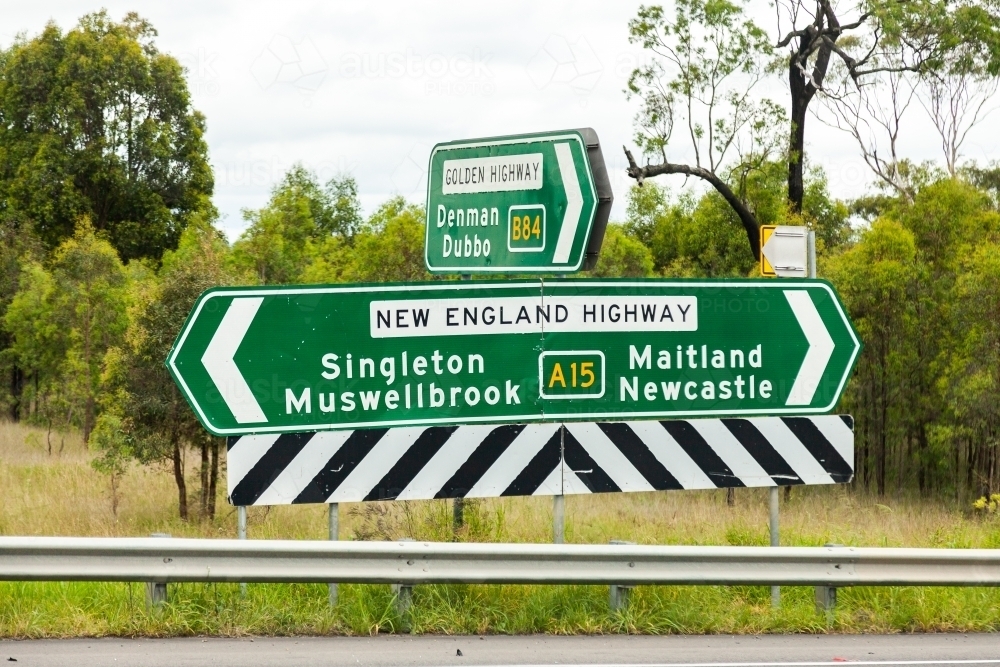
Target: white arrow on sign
574	204
786	250
218	360
819	352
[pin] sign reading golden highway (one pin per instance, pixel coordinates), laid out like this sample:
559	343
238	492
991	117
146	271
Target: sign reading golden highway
291	359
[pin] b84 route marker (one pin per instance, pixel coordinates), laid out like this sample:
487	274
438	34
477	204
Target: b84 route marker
292	359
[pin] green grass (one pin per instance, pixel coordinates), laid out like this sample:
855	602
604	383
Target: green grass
32	610
57	494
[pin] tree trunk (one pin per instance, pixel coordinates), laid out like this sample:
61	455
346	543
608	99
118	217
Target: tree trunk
213	483
803	87
16	389
203	491
883	427
90	408
797	138
182	497
923	470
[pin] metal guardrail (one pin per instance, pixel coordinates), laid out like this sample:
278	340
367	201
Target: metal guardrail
410	563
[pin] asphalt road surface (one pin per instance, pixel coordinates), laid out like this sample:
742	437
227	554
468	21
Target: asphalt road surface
435	651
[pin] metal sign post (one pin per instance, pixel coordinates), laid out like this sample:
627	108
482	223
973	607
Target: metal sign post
334	535
786	252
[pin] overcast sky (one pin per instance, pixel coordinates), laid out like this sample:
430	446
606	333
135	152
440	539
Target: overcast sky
367	88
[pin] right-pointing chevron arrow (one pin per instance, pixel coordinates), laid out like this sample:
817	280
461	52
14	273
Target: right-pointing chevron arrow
218	360
574	204
819	352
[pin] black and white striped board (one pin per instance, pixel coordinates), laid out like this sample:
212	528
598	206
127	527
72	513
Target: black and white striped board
538	459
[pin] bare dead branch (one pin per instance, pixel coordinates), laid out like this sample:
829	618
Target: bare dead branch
746	216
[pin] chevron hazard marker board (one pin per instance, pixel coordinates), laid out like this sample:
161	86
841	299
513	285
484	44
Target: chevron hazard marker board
253	360
538	459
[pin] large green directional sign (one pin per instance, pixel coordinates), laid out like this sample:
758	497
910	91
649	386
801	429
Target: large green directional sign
260	360
527	203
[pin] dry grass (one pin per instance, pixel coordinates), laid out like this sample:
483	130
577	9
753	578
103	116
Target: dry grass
60	494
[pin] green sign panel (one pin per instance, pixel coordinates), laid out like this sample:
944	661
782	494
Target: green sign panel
528	203
267	360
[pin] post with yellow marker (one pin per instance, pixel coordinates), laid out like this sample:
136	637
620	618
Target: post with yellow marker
785	252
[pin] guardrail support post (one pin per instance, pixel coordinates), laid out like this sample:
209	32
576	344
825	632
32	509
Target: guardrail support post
241	533
404	600
334	536
826	596
775	540
156	594
156	591
826	600
618	595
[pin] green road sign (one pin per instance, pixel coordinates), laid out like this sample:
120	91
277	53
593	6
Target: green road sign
527	203
261	360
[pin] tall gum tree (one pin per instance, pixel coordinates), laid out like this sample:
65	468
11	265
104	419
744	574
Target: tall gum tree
870	39
702	83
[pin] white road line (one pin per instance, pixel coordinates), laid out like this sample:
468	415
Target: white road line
831	663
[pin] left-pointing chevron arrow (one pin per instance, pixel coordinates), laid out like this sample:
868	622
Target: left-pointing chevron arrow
218	361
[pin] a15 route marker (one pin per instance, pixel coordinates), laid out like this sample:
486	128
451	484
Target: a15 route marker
268	360
525	203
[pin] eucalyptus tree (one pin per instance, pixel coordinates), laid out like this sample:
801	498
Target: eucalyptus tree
97	121
702	84
709	58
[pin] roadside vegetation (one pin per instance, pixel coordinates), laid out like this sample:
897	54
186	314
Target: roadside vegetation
61	494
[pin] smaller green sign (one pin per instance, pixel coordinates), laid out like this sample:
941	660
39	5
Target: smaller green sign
526	203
